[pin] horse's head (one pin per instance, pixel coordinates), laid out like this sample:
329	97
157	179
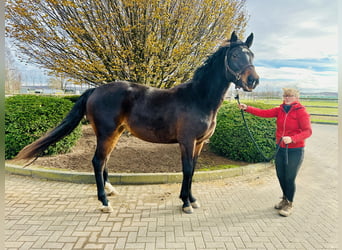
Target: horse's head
239	63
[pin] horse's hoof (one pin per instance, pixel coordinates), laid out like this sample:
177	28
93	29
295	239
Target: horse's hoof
195	204
188	210
110	190
107	209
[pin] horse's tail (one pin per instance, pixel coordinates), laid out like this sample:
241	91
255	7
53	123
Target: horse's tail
69	123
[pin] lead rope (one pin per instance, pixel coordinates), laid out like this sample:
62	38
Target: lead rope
237	98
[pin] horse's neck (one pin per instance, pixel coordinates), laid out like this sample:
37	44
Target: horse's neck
211	91
210	82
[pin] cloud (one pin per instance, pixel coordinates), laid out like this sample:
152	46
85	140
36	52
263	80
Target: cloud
295	42
294	29
317	64
297	77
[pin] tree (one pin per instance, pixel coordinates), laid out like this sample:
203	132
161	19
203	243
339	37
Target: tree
153	42
12	74
59	82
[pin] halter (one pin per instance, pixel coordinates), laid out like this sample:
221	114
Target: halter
237	74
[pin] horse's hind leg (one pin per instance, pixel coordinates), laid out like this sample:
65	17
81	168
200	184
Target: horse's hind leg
105	145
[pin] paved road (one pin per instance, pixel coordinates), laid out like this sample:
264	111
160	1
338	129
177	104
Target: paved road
236	213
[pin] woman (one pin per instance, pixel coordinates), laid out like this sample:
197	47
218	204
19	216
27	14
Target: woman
293	127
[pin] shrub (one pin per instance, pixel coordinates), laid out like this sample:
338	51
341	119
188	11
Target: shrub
231	138
72	98
28	117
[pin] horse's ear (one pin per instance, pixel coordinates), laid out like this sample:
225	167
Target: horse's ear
249	40
233	37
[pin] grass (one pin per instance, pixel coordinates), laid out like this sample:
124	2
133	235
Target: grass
320	119
331	103
322	110
219	167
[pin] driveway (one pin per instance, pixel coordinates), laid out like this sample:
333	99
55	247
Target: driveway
236	213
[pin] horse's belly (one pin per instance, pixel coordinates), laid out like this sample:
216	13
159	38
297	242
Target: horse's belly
152	132
153	136
156	139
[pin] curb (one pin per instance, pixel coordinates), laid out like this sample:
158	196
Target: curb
131	179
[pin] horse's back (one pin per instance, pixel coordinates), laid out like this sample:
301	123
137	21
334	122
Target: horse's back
151	114
143	110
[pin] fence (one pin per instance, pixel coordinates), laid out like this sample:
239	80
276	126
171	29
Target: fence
321	110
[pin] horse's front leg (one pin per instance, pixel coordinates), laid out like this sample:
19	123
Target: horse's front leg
193	201
198	148
188	168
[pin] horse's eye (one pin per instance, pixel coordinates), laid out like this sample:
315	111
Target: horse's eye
234	55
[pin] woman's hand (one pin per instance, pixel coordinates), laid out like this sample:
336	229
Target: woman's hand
242	106
287	139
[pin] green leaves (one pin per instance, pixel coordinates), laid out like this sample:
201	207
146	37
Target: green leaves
231	138
28	117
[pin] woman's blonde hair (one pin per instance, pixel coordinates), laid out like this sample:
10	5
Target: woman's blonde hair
290	91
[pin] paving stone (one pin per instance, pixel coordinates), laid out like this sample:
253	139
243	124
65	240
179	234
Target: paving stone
236	212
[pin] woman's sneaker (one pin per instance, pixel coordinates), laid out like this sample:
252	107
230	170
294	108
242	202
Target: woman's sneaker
281	204
286	210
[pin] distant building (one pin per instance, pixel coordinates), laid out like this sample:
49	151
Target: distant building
46	90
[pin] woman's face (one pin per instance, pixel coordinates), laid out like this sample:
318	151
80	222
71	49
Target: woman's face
289	99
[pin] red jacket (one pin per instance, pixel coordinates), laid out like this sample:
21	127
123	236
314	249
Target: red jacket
296	123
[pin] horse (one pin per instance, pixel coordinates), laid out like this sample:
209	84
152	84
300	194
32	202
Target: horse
185	114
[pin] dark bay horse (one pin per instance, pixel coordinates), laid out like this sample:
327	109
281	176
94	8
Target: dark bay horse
185	114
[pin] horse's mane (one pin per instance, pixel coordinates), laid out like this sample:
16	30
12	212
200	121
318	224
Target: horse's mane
202	70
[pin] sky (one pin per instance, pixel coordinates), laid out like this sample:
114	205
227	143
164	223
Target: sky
295	43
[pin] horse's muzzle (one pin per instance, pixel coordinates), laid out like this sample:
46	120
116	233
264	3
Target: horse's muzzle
249	79
248	85
252	83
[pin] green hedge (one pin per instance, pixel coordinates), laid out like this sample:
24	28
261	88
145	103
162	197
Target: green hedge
72	98
28	117
231	138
